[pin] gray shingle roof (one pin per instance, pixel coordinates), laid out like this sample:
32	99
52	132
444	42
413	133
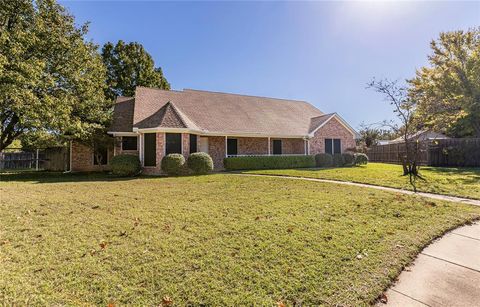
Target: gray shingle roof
215	112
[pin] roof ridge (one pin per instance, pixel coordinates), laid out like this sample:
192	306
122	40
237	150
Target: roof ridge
157	89
225	93
326	114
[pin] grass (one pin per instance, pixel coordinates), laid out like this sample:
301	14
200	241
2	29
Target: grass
208	240
464	182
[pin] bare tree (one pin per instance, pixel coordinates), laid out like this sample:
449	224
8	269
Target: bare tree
404	108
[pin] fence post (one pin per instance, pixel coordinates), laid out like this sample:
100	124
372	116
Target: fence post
36	161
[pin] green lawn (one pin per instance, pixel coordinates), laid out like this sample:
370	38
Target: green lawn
463	182
210	240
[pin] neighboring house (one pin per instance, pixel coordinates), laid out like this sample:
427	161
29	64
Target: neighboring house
422	135
157	122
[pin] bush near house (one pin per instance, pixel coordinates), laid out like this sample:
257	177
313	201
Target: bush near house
338	160
268	162
200	163
324	160
361	159
173	164
348	158
125	165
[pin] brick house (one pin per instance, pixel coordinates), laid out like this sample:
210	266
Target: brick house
157	122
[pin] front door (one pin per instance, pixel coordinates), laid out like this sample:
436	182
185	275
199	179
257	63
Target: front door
204	144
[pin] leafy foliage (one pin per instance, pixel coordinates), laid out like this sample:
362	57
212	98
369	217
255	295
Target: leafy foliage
338	160
200	163
51	79
128	66
268	162
361	158
323	160
369	135
348	159
125	165
448	92
173	164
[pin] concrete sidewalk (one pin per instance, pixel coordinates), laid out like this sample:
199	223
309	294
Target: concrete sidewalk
446	273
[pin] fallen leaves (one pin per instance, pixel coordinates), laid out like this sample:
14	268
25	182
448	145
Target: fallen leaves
383	298
167	301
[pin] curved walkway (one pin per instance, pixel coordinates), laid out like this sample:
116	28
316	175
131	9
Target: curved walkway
445	273
469	201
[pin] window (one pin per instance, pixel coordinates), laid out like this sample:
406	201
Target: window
277	147
174	143
129	143
100	154
193	143
150	149
232	149
333	146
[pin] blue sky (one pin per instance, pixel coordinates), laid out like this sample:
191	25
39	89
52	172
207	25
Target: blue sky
321	52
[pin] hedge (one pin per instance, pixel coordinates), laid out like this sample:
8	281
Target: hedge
268	162
200	163
173	164
125	165
324	160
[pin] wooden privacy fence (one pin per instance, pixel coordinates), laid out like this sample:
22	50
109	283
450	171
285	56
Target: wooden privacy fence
447	152
51	159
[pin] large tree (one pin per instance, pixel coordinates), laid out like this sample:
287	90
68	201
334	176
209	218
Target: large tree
128	66
51	79
447	92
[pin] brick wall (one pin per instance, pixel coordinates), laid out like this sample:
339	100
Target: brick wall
252	146
291	146
333	129
216	149
82	158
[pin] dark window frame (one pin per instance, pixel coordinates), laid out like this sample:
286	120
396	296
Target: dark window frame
193	143
125	138
173	139
147	138
281	147
335	146
229	147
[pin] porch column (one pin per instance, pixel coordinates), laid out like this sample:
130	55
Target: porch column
269	146
140	148
305	147
226	147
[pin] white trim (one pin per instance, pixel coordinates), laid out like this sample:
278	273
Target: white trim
140	149
340	120
226	147
269	151
206	133
308	146
122	133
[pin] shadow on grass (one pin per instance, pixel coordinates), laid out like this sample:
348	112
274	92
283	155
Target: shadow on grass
54	177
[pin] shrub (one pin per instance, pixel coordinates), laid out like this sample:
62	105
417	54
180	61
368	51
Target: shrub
125	165
348	158
268	162
200	163
361	159
338	160
173	164
324	160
